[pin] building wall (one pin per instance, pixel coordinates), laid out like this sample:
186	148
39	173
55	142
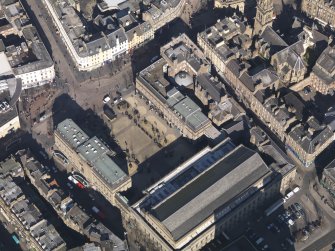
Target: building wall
137	41
11	125
264	15
328	182
80	165
235	4
318	84
91	62
319	10
167	16
169	115
37	78
156	233
257	107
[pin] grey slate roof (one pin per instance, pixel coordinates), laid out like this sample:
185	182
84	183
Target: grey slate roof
325	66
198	199
214	88
271	37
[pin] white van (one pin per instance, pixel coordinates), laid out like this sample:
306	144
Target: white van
106	99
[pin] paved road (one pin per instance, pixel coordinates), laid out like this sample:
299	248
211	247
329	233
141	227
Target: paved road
6	242
42	21
322	242
89	198
87	88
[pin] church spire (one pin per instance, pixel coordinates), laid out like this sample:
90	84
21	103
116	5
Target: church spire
264	14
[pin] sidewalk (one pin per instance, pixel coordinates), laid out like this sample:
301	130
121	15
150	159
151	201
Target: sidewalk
330	212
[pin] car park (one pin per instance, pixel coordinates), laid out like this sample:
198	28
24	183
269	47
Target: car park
298	205
297	214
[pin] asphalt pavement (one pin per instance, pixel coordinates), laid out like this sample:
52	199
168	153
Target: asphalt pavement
87	198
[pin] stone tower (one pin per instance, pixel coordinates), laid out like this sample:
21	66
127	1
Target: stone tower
264	14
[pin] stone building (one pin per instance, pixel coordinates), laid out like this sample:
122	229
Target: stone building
322	78
92	49
185	210
163	83
139	35
24	54
179	110
321	10
264	15
328	178
306	140
90	157
234	4
289	63
9	117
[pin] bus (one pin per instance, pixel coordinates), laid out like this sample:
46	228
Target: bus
16	239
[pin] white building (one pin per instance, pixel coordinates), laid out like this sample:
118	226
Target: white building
87	53
9	119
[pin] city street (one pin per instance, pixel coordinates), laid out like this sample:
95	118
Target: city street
86	88
87	198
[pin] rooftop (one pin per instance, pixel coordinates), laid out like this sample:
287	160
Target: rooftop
72	133
214	87
25	50
187	197
229	37
153	78
325	66
182	49
89	39
187	109
10	166
93	151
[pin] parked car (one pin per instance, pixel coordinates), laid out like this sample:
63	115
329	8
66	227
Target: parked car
259	240
297	206
69	185
106	99
298	214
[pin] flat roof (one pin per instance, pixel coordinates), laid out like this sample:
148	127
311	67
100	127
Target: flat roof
198	199
72	133
5	68
189	110
93	151
109	170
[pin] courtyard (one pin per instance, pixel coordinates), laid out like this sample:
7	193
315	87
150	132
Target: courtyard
138	130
